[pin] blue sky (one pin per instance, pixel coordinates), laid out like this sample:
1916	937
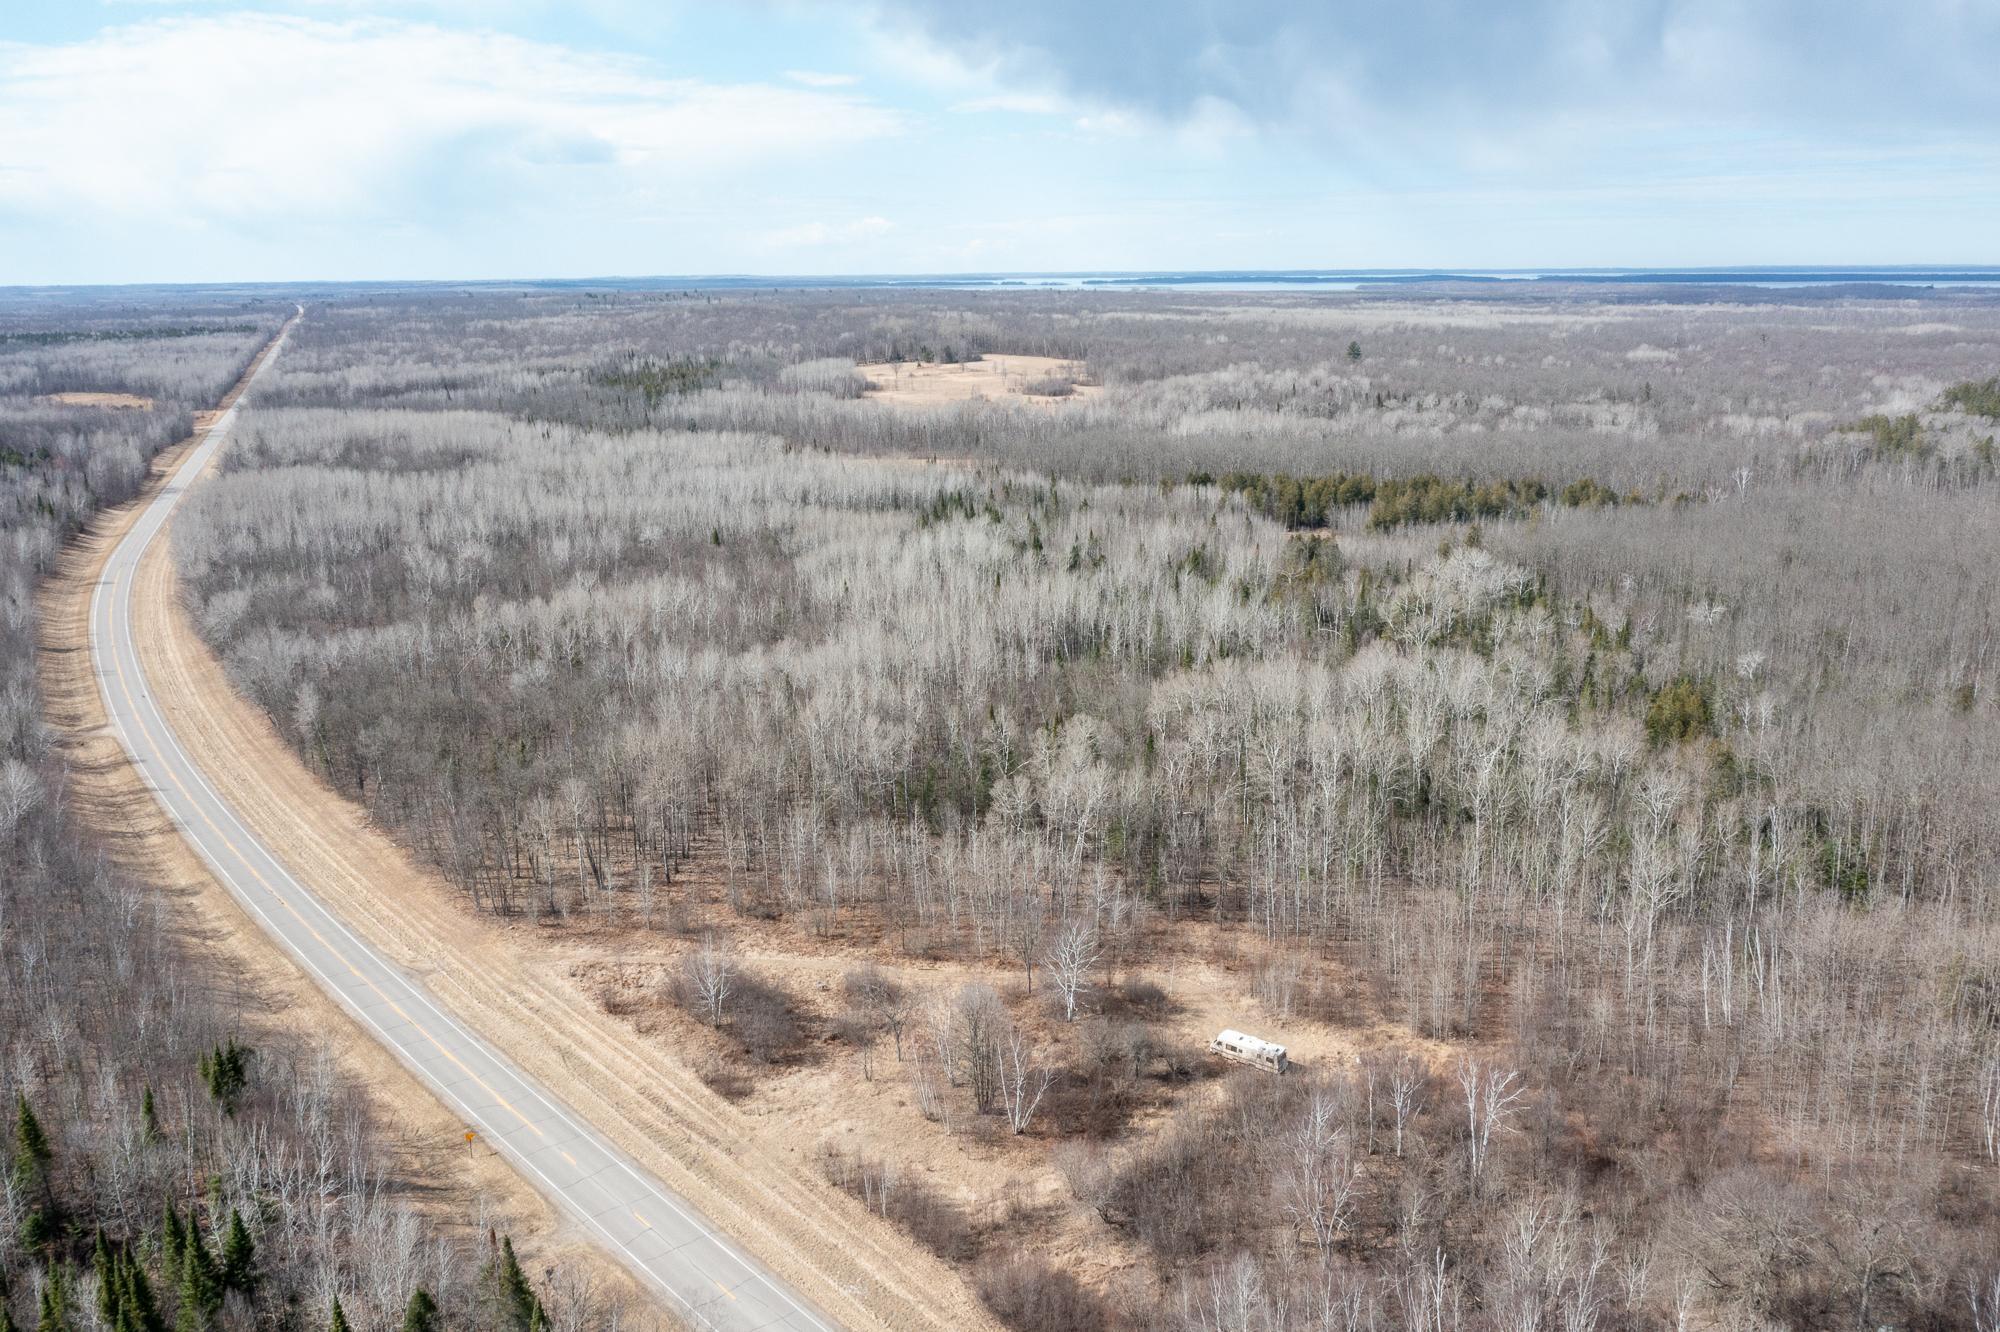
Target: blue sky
203	140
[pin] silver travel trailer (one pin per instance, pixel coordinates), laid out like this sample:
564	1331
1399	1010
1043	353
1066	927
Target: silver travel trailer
1250	1050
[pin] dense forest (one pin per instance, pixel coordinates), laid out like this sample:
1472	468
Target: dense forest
155	1171
1597	693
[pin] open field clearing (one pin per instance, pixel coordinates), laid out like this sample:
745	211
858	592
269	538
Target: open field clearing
1001	1191
123	401
1042	381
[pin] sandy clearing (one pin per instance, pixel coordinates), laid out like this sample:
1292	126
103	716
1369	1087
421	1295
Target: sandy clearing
460	1188
990	379
754	1176
121	401
1004	1186
1008	1188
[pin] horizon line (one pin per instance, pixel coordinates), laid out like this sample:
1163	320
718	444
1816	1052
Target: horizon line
1552	273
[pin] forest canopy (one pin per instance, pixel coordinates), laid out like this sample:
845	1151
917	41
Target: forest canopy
1596	697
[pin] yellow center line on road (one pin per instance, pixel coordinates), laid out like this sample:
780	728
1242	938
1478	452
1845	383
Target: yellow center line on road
724	1289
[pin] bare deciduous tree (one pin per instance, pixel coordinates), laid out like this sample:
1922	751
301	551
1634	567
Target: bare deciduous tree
1408	1091
708	976
1071	957
982	1035
1320	1176
1982	1294
1491	1096
883	1000
1022	1081
1088	1171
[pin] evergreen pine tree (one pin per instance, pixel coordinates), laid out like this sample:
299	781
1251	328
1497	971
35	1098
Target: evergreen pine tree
37	1228
149	1118
55	1303
137	1310
31	1146
239	1256
106	1269
339	1320
172	1238
421	1314
225	1071
200	1281
517	1297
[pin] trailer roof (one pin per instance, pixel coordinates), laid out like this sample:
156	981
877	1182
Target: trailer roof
1252	1044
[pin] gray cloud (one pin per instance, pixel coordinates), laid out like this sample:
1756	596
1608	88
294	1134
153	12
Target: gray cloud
1410	67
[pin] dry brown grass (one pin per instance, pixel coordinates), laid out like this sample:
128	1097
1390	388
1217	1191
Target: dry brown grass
860	1104
121	401
919	384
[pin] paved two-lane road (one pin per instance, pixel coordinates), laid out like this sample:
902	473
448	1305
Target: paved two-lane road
708	1281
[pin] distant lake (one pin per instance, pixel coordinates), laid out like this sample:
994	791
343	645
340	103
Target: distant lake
1365	279
1338	279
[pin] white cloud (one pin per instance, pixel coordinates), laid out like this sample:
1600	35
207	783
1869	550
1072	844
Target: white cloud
813	78
817	235
240	119
1019	103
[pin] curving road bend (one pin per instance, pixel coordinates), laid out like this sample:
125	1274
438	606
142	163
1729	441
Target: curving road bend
711	1284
